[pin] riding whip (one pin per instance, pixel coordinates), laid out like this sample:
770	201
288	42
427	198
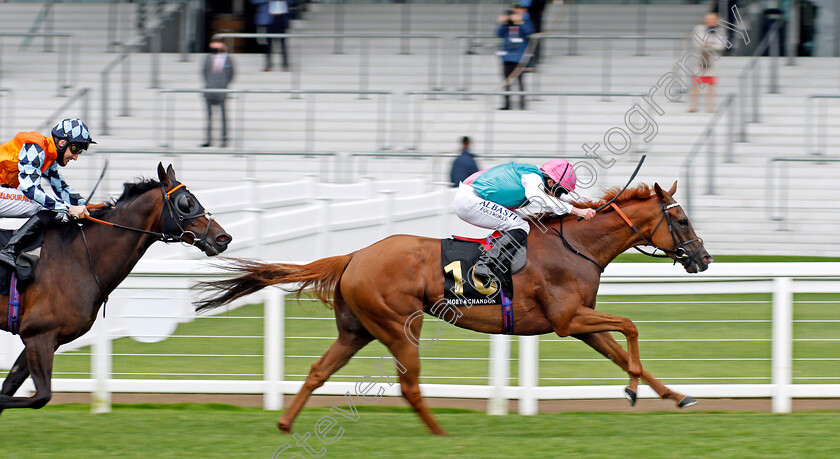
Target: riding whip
101	175
632	176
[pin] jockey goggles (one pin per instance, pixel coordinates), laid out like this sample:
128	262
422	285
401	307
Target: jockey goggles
78	148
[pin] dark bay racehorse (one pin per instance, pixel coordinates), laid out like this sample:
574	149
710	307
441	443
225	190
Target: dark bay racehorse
81	264
376	290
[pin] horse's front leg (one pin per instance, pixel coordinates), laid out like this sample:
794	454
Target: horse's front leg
587	321
606	345
39	353
17	375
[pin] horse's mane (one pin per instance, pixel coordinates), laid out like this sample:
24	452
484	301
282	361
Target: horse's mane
642	191
131	190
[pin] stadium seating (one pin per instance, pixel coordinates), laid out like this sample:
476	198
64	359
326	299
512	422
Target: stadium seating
734	220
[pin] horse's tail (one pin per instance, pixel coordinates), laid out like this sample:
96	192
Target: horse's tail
322	276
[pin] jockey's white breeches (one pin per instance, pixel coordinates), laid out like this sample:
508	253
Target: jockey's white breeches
474	209
13	203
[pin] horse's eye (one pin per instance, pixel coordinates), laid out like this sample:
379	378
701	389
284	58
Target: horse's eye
683	222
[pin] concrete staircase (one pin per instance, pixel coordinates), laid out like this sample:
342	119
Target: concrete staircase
735	220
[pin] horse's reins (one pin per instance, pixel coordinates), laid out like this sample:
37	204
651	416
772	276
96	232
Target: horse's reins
176	215
678	251
610	202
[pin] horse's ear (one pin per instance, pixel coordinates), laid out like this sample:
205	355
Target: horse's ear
659	191
162	175
170	171
673	189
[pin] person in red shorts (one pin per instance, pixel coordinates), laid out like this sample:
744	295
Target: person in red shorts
709	40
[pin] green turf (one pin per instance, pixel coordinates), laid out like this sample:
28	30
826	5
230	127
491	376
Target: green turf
673	352
70	431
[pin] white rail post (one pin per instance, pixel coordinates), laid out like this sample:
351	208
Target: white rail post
497	404
322	237
528	368
256	216
101	368
782	343
388	204
273	341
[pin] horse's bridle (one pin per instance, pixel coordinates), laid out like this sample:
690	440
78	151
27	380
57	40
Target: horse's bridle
678	252
180	208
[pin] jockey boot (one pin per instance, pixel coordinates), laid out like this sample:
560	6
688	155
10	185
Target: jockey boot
500	254
31	229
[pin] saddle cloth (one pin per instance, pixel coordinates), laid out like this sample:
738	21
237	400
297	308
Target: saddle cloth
461	288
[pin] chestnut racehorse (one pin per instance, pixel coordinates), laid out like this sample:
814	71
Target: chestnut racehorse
82	263
376	290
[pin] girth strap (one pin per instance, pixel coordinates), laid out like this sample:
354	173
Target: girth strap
14	306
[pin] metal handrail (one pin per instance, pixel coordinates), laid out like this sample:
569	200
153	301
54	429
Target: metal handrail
341	166
364	51
153	36
812	123
82	94
124	58
9	108
417	112
708	138
168	127
67	60
465	70
782	187
773	37
43	16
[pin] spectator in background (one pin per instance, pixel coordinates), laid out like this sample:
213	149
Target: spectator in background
464	165
712	38
514	28
535	11
218	73
272	16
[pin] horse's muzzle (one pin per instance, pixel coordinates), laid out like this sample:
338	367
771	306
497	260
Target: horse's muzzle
217	246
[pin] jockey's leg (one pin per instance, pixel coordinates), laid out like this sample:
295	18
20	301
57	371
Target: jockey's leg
474	209
31	229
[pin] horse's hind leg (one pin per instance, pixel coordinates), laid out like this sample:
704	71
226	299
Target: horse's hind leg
606	345
39	351
408	359
351	337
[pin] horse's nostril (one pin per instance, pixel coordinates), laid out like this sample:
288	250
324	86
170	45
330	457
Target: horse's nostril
708	259
223	239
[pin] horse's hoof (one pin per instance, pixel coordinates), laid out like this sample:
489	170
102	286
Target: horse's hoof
686	402
630	395
285	428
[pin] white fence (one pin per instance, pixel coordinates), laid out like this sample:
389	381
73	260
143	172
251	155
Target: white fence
306	219
153	300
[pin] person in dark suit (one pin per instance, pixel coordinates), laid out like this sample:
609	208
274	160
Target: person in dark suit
218	73
464	165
